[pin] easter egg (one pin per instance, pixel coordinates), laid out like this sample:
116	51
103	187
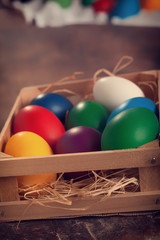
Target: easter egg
130	129
124	9
87	113
112	91
103	5
56	103
87	2
79	139
27	144
134	102
41	121
150	5
64	3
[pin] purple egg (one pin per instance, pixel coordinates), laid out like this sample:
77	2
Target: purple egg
79	139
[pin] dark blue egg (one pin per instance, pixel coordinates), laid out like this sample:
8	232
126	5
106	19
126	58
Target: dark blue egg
57	104
132	103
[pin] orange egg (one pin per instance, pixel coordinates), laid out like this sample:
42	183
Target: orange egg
150	4
27	144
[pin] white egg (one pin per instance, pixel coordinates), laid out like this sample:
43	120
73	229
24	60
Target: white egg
112	91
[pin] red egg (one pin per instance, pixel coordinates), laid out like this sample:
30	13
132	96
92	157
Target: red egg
41	121
103	5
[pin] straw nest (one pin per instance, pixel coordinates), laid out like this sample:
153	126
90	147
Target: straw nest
94	184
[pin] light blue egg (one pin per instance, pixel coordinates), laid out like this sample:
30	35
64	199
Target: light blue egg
125	8
132	103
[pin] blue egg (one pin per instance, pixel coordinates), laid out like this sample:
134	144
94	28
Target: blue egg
124	9
134	102
57	104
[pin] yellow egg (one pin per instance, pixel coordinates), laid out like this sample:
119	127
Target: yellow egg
27	144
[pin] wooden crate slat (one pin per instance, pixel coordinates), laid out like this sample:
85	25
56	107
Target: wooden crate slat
131	202
132	158
8	189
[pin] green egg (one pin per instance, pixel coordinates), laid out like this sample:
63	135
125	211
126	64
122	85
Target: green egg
87	2
63	3
130	129
87	113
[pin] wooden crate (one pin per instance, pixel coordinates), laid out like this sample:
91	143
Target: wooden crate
145	158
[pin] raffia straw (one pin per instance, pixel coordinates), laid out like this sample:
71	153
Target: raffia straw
72	77
152	85
24	212
102	70
66	91
97	185
35	201
63	208
116	69
119	65
61	191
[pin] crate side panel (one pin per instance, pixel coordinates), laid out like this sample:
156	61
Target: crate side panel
27	210
102	160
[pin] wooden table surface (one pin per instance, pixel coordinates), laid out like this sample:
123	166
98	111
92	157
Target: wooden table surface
31	56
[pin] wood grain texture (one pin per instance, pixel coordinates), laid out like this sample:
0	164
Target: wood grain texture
8	186
129	202
132	158
149	178
8	189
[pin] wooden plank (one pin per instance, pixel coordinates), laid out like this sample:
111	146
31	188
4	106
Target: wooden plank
6	131
130	158
8	186
8	189
149	178
129	202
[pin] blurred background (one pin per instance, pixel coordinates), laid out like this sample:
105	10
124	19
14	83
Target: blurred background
42	41
56	13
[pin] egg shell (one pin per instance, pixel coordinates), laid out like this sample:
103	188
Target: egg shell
79	139
150	5
134	102
87	2
130	129
112	91
27	144
41	121
57	104
87	113
64	4
103	5
125	9
24	144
